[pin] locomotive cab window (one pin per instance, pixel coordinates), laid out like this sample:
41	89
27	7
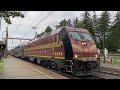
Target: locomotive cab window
86	36
75	36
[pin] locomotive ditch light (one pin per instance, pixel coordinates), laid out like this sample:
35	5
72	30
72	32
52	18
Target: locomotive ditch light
83	43
76	56
96	55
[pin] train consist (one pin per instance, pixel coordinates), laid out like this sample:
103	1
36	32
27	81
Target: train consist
67	49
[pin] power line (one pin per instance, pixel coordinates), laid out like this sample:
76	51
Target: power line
35	20
44	18
19	24
41	21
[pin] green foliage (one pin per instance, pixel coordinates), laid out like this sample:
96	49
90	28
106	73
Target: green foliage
103	28
115	60
113	40
75	22
1	65
48	29
81	25
7	14
39	35
87	20
63	23
69	22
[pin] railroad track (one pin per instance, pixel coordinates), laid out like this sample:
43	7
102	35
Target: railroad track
66	74
108	73
72	76
69	75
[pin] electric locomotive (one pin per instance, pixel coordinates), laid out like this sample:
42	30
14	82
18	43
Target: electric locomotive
68	49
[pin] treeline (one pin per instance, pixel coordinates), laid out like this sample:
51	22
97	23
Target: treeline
105	33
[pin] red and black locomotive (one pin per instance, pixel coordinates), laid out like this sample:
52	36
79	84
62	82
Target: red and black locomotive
68	49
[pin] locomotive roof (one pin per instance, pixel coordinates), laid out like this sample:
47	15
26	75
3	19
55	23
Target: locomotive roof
57	31
47	34
76	29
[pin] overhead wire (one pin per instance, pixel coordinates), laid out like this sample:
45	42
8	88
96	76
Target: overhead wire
19	24
41	21
44	18
34	20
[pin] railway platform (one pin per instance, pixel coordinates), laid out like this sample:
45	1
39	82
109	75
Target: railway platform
14	68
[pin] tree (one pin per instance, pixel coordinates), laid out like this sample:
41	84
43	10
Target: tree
81	24
113	41
103	26
48	29
62	23
7	14
39	35
95	28
87	20
75	22
69	22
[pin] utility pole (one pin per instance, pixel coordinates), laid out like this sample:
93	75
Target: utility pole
35	31
6	42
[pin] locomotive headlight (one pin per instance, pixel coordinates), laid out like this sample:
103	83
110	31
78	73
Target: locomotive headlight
83	43
96	55
76	56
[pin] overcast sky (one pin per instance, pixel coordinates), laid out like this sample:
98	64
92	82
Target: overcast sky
22	28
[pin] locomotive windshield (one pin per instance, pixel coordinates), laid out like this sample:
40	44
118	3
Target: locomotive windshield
75	35
86	36
80	36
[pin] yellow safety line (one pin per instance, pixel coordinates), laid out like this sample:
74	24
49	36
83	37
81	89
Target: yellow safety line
41	72
37	70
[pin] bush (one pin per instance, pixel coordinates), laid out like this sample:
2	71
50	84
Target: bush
0	69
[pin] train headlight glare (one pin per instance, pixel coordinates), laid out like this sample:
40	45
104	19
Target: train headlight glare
83	43
96	56
76	56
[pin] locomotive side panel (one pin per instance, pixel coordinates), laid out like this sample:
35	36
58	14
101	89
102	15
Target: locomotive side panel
40	48
57	48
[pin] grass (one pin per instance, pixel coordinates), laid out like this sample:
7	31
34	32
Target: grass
1	69
115	60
